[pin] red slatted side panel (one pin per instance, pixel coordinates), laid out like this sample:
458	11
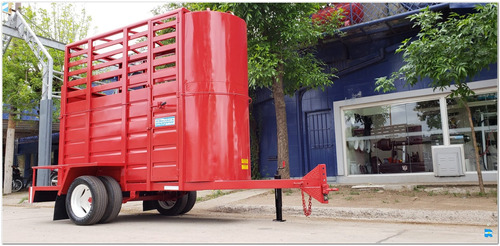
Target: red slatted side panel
72	136
164	85
138	106
111	83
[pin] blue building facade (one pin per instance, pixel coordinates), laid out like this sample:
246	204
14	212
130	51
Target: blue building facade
317	127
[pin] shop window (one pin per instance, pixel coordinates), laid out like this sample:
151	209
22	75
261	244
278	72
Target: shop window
484	110
393	138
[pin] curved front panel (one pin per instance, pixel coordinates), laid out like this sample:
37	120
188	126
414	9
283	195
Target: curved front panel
216	128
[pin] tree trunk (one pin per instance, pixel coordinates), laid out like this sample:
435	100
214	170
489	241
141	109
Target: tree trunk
281	124
476	149
9	155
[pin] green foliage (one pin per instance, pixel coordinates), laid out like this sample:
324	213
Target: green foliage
22	74
278	33
21	80
447	52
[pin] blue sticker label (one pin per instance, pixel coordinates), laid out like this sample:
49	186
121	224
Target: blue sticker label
166	121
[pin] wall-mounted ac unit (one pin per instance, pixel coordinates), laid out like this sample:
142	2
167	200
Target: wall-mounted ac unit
448	160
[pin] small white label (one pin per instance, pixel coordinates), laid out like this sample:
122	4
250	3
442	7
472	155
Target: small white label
168	187
166	121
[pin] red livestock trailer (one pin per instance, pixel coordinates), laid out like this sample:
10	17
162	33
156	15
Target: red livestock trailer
155	111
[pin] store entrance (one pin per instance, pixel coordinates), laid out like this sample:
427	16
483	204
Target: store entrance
320	139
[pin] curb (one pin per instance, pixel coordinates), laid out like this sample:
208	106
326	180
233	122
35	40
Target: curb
463	217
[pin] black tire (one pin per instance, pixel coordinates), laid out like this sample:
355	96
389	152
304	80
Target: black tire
190	202
115	199
173	207
86	200
17	185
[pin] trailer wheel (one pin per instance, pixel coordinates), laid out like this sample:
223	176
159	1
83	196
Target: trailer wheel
172	207
115	199
86	200
190	202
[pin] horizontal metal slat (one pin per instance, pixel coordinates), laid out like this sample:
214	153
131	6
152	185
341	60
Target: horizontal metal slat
170	78
165	73
78	53
107	64
165	48
107	75
164	60
105	87
76	93
79	62
102	46
76	72
108	54
136	79
77	82
137	57
139	35
166	25
138	45
165	36
136	68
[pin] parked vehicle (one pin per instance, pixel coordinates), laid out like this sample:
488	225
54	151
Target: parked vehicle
154	112
17	180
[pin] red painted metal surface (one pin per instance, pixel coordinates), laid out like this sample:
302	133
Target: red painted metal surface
352	13
162	105
216	133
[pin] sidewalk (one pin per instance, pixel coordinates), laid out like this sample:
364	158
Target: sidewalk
437	205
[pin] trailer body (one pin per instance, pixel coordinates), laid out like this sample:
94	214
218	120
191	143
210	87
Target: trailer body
160	107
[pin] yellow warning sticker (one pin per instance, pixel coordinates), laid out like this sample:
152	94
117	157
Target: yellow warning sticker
244	167
244	161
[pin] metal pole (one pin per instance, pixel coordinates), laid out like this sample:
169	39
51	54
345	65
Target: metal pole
44	142
278	198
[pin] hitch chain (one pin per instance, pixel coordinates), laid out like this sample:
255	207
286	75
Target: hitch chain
307	210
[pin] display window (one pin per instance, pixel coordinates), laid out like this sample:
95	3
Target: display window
398	137
392	138
484	109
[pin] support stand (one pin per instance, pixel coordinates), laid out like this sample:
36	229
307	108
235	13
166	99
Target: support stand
278	200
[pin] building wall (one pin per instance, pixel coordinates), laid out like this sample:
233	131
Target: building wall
306	104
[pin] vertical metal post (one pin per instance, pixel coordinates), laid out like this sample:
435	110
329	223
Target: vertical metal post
278	198
444	120
44	141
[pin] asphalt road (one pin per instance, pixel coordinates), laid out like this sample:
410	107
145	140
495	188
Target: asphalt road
35	225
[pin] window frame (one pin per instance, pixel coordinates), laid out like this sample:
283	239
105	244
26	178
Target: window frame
397	98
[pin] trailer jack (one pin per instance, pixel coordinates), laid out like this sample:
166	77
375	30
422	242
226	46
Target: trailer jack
309	184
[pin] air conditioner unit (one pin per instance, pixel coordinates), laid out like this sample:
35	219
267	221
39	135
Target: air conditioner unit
448	160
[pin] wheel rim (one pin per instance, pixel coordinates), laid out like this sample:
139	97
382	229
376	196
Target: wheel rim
166	204
17	185
53	181
81	200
